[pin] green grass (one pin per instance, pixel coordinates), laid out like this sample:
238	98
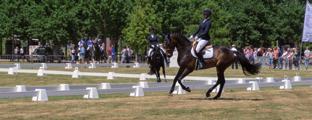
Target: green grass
237	104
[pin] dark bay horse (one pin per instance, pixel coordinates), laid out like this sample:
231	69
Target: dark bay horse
157	62
222	59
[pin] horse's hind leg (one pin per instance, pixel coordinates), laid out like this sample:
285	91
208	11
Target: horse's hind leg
164	72
220	81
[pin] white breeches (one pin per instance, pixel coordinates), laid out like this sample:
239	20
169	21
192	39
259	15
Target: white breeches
151	49
201	44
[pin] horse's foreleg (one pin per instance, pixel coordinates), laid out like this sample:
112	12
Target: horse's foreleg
164	72
175	80
184	73
157	74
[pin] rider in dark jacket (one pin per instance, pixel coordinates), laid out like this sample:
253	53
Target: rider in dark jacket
202	35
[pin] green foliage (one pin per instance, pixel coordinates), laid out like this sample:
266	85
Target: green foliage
240	22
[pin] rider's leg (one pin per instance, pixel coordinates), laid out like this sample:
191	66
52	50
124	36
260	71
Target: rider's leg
201	44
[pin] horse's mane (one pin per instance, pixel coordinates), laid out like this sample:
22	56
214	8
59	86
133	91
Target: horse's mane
180	36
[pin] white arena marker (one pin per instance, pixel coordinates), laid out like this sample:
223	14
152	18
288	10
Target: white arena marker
179	90
105	86
136	65
110	75
254	86
137	92
11	71
40	72
210	82
64	87
17	66
75	73
44	66
20	88
270	80
92	93
297	78
68	66
241	81
40	96
143	84
115	65
92	66
143	76
287	85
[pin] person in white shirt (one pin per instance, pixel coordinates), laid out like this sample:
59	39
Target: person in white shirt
307	56
235	64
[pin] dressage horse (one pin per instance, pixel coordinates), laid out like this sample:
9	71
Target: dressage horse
222	59
158	61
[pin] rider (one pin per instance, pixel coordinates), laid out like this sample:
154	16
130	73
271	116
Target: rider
202	36
153	42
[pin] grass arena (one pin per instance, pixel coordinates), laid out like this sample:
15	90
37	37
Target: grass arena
236	103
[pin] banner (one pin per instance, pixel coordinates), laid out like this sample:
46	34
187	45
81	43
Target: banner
307	27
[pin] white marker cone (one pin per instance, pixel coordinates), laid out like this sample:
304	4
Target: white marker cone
115	65
40	96
143	84
105	86
136	65
92	66
92	93
143	76
17	66
254	86
40	72
75	73
179	90
69	66
11	71
63	87
20	88
287	84
241	81
137	92
270	80
297	78
44	66
110	75
210	82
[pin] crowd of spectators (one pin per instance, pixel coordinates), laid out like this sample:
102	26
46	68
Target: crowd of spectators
279	58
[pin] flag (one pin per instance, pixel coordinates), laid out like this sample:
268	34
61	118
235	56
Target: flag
307	26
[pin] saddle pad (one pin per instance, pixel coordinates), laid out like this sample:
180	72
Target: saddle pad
208	53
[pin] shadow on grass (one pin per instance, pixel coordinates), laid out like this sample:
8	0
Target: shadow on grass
230	99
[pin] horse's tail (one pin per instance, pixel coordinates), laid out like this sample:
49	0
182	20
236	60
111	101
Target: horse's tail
247	67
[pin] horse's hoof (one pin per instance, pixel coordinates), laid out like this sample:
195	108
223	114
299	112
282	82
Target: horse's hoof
158	81
188	89
208	95
216	97
170	94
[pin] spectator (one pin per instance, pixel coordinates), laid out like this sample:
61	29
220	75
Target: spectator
82	53
73	55
109	55
235	64
269	55
307	57
22	53
16	54
275	58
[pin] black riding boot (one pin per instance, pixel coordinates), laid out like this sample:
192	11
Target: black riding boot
201	62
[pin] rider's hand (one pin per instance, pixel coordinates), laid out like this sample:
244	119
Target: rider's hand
191	37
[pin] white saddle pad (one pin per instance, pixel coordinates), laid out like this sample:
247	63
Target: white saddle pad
208	53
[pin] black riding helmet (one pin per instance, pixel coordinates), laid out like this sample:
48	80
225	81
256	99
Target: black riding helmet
207	12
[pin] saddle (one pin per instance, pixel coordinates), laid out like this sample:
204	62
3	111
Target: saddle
207	52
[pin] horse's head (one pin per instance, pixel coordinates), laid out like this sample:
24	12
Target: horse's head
169	45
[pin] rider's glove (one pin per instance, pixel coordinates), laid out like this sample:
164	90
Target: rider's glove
191	37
